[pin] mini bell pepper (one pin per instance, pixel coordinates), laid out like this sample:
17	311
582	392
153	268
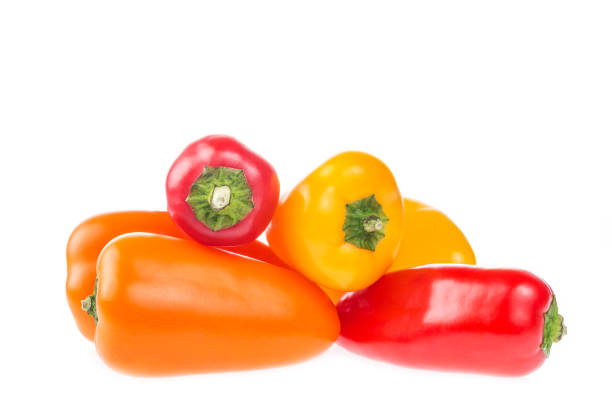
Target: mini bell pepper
89	237
167	306
429	237
454	317
221	193
342	224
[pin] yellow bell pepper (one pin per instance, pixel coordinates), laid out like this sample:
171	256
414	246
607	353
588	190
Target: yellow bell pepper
342	224
429	237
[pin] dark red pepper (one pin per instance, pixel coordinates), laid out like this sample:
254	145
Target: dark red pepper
454	317
221	193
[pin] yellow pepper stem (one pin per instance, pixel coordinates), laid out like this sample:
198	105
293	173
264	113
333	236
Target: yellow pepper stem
364	223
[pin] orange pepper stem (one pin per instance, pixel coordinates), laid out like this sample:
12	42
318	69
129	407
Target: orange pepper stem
89	303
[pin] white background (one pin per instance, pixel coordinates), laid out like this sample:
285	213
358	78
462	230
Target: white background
498	113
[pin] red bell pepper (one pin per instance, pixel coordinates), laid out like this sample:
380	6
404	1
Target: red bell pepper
221	193
454	317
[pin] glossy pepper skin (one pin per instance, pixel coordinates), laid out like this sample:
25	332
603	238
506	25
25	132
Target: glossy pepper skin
168	306
342	224
429	237
89	237
220	193
454	317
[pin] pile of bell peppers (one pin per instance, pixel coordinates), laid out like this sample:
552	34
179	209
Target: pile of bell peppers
349	259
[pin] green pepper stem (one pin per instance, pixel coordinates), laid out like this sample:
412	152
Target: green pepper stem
372	223
89	303
220	197
364	223
554	329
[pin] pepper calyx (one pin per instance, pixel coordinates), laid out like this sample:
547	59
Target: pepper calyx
364	223
554	329
89	303
220	197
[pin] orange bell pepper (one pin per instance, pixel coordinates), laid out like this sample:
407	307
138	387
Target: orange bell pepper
341	226
88	239
430	237
169	306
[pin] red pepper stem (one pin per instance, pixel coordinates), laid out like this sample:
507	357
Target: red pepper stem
220	197
554	329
